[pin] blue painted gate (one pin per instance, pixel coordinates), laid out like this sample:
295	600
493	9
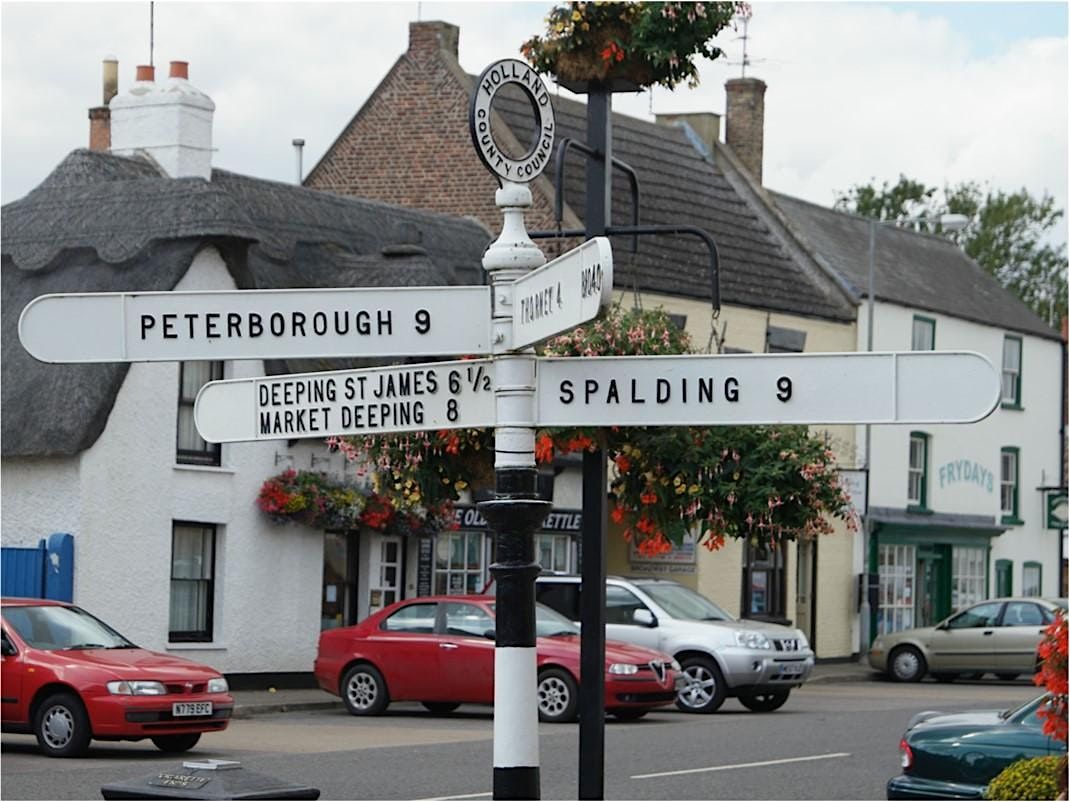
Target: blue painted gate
44	572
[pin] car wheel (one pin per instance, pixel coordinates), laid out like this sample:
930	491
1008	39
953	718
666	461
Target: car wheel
943	676
906	664
628	713
364	691
764	701
558	698
705	690
62	726
441	707
1007	677
177	743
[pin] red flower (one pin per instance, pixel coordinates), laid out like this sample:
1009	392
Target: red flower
544	449
617	515
623	463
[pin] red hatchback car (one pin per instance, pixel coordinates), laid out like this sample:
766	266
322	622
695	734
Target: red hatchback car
439	650
68	677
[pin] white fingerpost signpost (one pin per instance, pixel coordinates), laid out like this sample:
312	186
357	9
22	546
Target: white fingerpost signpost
511	389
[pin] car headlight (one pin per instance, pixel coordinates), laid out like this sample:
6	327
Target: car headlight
803	642
675	665
136	687
623	668
218	685
753	640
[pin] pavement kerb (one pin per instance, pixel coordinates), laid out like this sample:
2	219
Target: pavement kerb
250	709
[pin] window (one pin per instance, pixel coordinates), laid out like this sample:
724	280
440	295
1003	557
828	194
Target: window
967	576
192	581
917	470
763	582
1031	579
895	566
1022	614
554	552
416	618
1008	485
564	597
981	615
1004	577
460	562
923	337
1012	372
191	449
621	605
784	341
468	619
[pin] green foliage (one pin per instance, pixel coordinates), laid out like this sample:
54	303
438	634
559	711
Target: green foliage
1005	236
646	43
1035	778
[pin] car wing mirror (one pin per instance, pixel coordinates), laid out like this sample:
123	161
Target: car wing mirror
7	648
489	634
644	618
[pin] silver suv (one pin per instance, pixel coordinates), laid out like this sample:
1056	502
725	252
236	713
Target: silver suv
721	656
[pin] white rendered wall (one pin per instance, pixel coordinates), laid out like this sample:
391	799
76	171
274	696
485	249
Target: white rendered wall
127	489
1034	430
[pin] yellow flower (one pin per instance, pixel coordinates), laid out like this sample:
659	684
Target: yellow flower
694	490
680	490
460	484
576	16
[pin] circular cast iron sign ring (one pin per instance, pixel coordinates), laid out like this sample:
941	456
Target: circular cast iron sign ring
496	76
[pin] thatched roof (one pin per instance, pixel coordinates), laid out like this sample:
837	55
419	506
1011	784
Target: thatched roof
104	223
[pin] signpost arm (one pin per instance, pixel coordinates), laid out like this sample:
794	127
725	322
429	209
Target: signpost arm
515	513
592	613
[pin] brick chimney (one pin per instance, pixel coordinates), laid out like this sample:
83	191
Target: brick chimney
706	124
100	116
170	121
427	38
744	126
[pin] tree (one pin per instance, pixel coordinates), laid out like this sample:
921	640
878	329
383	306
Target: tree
1005	235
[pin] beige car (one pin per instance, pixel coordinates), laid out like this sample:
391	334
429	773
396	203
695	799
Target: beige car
997	635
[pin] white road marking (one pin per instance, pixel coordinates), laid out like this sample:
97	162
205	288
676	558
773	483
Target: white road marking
741	765
459	796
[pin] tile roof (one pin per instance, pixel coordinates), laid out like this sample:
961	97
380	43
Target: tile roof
678	186
916	270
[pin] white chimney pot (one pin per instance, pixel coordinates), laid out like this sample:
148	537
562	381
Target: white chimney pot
171	121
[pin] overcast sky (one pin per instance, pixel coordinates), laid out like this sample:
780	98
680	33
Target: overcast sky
943	92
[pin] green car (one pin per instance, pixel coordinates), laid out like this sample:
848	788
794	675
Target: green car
998	636
956	755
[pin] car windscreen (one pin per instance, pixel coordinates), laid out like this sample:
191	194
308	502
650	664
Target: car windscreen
549	623
681	602
1027	714
52	627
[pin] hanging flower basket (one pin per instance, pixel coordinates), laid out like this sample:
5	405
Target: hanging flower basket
640	44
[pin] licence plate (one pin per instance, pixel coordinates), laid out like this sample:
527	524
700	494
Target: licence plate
790	668
191	709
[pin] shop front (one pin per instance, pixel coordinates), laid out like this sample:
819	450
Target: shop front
928	566
364	570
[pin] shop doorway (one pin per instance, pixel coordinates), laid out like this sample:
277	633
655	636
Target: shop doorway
805	588
338	595
384	571
932	591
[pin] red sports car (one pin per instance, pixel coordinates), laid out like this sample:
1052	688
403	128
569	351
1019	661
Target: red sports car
439	650
68	677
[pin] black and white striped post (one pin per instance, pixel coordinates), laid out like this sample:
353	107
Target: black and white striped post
515	512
